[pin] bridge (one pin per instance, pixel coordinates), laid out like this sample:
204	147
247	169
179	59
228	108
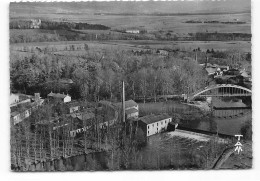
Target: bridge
221	90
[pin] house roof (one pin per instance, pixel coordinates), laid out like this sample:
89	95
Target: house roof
223	66
57	95
244	74
73	104
131	110
14	113
83	116
66	81
154	118
129	103
211	70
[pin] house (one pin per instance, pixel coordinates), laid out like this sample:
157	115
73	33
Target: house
211	70
82	122
15	117
72	107
14	98
133	31
153	124
59	97
232	72
163	52
224	68
17	99
131	108
244	74
172	126
132	113
19	114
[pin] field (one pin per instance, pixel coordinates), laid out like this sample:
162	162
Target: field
243	46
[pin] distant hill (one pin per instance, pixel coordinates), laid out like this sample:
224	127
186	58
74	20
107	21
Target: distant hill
193	7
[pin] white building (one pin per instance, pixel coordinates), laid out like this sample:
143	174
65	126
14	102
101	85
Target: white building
153	124
133	31
14	98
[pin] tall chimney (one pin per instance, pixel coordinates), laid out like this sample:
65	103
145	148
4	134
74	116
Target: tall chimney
196	57
206	63
123	100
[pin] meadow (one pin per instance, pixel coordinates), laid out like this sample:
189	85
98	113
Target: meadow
176	24
98	46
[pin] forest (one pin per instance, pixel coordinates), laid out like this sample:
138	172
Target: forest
99	76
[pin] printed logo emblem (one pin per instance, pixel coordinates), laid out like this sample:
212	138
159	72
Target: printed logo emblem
238	145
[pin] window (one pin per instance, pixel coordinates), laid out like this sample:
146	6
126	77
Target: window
162	123
165	122
148	126
153	125
157	125
148	133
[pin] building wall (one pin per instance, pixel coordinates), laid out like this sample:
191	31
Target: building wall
132	115
14	99
74	109
157	127
132	31
67	99
17	119
136	107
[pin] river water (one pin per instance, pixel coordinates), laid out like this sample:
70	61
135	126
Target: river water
227	122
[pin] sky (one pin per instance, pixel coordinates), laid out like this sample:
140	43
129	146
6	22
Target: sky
195	6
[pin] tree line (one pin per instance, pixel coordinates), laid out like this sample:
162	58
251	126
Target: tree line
56	25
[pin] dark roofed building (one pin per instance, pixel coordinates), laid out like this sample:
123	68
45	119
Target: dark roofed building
128	104
131	108
59	97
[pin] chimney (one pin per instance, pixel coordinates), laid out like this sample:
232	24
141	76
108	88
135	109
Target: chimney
206	62
123	100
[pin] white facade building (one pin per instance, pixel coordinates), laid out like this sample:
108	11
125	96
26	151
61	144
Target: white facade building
14	98
153	124
133	31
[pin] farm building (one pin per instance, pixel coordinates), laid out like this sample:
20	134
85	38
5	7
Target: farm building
133	31
59	97
153	124
131	108
72	107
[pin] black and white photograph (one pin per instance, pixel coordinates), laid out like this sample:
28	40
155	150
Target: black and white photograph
125	85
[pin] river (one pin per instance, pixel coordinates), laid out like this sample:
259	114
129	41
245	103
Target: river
227	122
